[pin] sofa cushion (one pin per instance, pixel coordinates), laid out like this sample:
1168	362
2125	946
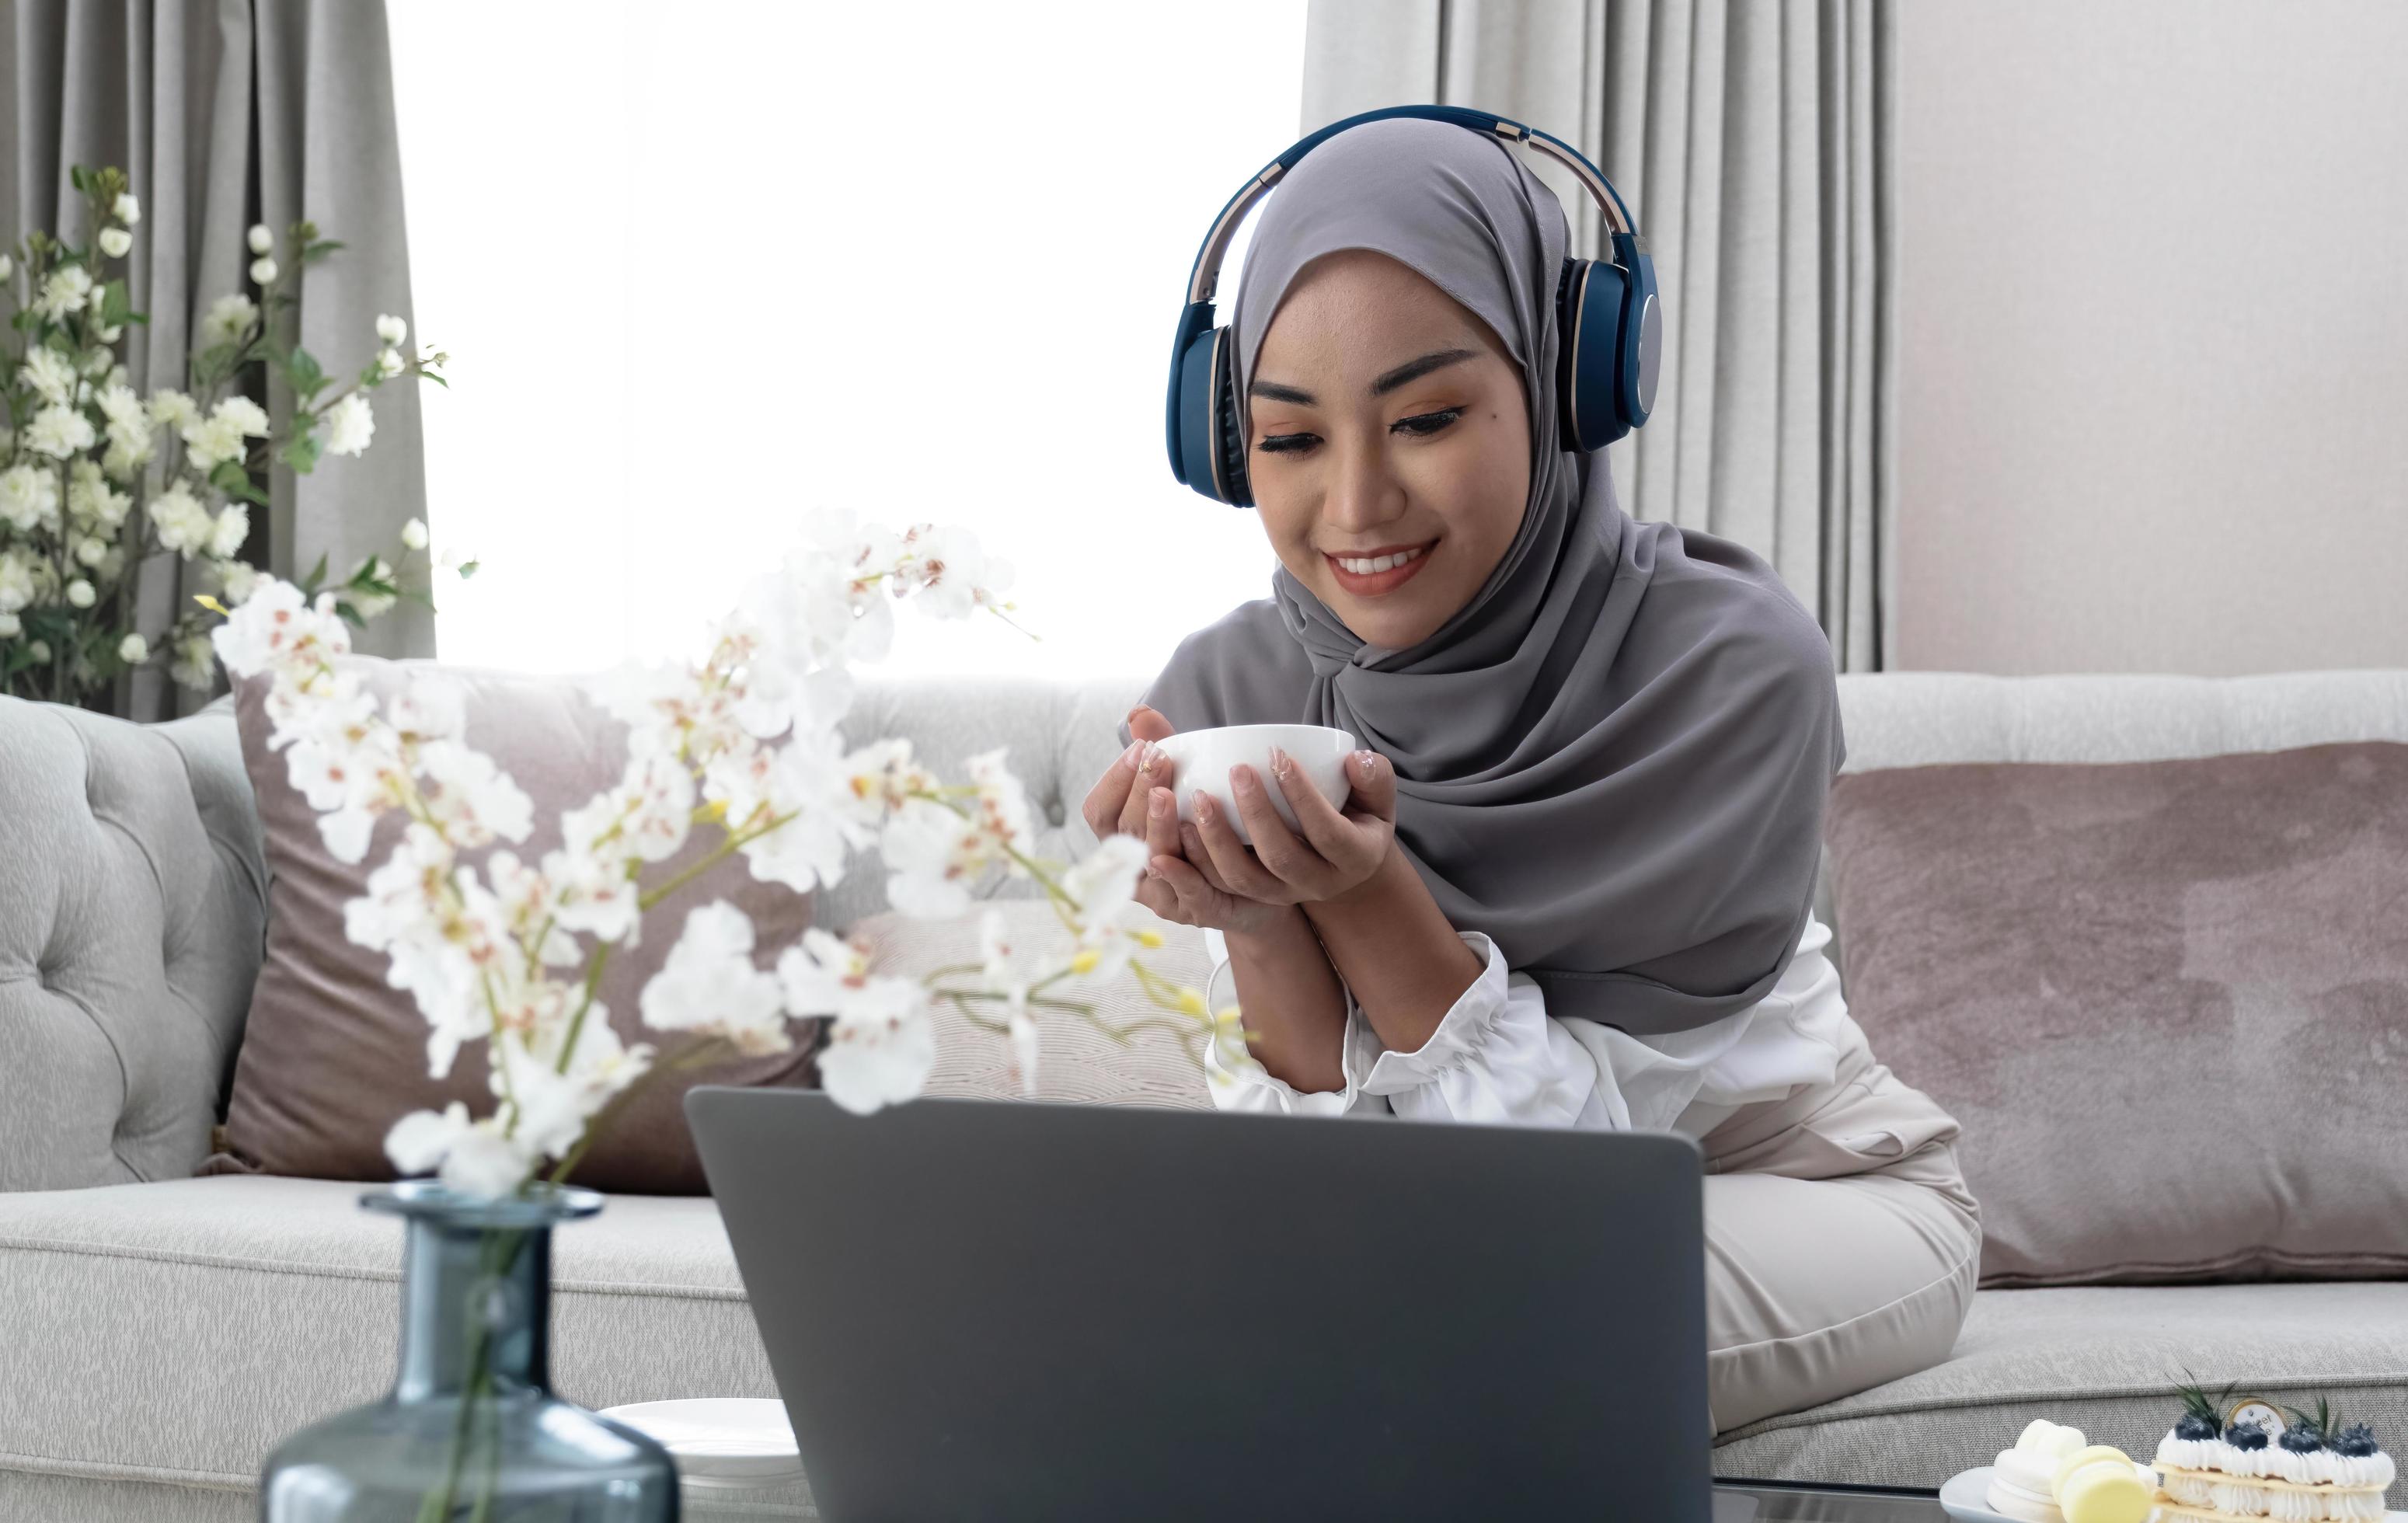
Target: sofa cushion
172	1332
333	1055
131	907
2103	1359
2168	1000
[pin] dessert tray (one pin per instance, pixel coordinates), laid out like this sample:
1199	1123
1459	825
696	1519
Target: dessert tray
2221	1459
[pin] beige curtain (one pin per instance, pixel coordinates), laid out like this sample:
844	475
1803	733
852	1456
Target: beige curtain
1753	140
226	113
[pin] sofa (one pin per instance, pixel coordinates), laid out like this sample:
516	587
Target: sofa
159	1333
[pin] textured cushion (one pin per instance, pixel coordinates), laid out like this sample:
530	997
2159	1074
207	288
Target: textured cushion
1076	1061
279	1300
2102	1358
334	1055
130	902
2072	958
172	1332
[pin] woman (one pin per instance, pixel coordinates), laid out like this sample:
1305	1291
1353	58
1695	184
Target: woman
1572	884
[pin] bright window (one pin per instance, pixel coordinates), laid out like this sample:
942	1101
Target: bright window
701	265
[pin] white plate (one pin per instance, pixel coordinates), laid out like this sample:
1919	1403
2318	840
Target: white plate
1966	1495
720	1441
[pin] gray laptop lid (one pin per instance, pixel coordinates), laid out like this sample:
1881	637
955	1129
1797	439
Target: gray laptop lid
993	1310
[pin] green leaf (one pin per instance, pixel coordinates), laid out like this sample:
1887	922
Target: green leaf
302	369
74	177
312	253
231	478
429	375
468	569
351	615
317	574
116	306
301	450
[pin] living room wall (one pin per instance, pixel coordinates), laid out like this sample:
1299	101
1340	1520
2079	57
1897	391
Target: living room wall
2126	441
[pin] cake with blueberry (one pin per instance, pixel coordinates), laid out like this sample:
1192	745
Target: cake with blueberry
2313	1467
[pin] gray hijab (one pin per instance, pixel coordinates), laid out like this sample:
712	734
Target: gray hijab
1613	759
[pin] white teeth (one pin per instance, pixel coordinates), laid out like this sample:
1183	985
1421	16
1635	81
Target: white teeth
1367	566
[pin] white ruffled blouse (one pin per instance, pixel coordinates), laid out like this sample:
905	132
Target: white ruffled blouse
1499	1056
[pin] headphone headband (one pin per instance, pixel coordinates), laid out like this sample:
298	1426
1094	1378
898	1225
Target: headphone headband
1205	278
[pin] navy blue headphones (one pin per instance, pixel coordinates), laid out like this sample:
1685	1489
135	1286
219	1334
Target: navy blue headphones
1606	312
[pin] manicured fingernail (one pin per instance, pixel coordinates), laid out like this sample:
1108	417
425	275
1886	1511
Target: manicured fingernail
1363	764
1153	871
1202	802
1130	754
1279	761
1159	805
1241	777
1152	755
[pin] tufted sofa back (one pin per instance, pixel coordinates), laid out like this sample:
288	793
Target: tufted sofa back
133	913
131	900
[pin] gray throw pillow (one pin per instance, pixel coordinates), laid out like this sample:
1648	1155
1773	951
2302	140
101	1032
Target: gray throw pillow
332	1055
2168	1000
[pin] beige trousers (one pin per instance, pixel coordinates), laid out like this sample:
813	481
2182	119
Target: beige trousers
1842	1244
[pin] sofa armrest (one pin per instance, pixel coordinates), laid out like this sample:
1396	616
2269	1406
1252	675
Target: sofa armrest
132	917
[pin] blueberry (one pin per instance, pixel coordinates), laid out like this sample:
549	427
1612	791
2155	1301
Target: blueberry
2246	1436
2190	1425
2356	1441
2303	1439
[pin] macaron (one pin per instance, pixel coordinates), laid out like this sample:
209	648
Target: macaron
2101	1485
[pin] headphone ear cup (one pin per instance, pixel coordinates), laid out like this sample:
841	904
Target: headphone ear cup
1206	421
1590	354
1228	434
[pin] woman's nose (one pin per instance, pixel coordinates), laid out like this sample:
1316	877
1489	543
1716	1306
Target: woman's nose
1364	494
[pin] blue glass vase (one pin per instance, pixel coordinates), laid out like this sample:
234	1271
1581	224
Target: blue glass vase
471	1432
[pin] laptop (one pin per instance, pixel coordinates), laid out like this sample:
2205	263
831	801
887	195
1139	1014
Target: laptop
988	1310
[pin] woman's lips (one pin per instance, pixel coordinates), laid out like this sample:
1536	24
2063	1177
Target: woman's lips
1377	583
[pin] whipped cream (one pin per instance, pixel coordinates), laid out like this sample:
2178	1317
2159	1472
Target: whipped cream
2190	1454
2317	1467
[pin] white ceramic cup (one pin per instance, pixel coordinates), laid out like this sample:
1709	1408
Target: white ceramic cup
1202	759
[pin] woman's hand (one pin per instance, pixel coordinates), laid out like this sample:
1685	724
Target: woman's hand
1337	851
1134	798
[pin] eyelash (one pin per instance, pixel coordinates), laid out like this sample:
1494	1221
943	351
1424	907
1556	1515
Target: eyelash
1298	444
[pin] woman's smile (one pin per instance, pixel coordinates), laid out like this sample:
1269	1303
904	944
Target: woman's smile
1396	565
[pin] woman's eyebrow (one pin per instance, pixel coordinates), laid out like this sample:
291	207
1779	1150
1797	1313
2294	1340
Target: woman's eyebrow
1273	391
1403	375
1412	370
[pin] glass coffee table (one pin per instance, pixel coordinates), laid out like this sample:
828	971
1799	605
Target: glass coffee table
1772	1501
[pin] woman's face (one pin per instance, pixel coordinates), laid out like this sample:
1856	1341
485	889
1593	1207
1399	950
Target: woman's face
1387	421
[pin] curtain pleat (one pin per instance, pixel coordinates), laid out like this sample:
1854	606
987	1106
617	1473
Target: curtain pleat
226	113
1754	144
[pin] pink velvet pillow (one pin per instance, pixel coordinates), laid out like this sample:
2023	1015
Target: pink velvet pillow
2168	1001
332	1056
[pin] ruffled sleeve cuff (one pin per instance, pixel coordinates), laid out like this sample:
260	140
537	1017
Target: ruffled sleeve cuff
1495	1056
1464	1034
